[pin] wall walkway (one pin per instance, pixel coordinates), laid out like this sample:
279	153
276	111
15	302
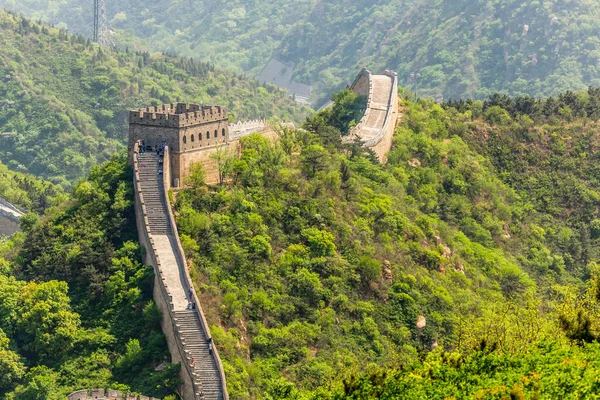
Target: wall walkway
10	211
186	330
9	218
377	126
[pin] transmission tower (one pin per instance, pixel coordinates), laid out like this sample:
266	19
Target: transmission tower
100	25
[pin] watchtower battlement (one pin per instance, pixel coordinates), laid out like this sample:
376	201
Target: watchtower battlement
189	130
177	115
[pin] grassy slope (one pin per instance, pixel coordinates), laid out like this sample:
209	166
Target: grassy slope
64	101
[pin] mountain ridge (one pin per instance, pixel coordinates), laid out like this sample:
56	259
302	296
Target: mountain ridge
466	49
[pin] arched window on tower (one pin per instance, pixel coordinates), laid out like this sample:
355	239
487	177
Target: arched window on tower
207	135
184	139
192	137
216	133
200	136
223	132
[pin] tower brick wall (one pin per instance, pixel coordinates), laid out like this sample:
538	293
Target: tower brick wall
191	131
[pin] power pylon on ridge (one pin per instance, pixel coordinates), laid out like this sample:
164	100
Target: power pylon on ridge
100	24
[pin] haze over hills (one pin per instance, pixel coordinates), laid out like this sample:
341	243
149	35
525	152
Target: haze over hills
467	265
65	101
467	48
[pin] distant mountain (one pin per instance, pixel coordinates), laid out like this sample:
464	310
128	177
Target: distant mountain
63	100
459	48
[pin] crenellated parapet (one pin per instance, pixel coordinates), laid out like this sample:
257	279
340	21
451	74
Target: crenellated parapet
10	211
177	115
108	394
245	128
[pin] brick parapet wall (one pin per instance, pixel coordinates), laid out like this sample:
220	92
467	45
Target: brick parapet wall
11	215
365	73
244	128
11	206
10	211
108	394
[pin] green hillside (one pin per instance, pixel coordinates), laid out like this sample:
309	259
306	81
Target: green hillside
468	48
28	192
65	101
467	265
317	262
76	306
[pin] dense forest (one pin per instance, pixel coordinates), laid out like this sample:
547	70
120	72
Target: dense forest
467	265
76	307
544	343
64	101
478	240
466	48
28	192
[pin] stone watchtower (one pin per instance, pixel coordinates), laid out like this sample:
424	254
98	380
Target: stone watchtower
191	131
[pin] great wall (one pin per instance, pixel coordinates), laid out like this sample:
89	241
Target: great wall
9	218
376	128
191	134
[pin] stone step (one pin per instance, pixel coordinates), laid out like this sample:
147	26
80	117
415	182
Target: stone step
198	349
193	335
189	327
191	331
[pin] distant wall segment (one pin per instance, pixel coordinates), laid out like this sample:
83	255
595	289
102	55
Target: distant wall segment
9	218
376	127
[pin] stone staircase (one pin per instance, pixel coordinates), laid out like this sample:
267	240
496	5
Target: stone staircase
195	342
152	187
188	328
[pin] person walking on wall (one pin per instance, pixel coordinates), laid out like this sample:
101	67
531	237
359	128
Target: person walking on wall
210	344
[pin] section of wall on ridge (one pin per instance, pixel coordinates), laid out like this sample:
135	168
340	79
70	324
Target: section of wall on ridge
377	132
9	218
108	394
160	293
181	352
